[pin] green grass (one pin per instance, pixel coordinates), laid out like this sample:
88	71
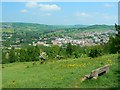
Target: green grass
60	74
7	30
0	76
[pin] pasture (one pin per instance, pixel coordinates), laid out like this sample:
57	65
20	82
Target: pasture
60	73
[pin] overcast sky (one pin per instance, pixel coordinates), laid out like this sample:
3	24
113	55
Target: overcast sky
65	13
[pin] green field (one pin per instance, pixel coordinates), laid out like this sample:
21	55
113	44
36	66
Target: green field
60	74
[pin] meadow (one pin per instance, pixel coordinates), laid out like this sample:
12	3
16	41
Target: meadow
60	73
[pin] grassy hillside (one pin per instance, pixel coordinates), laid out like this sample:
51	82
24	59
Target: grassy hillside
42	30
60	74
100	27
25	27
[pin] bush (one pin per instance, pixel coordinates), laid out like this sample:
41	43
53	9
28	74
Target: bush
94	53
76	54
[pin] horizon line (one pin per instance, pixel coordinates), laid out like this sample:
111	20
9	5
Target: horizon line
52	24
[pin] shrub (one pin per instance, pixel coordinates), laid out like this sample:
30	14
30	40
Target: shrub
76	54
94	53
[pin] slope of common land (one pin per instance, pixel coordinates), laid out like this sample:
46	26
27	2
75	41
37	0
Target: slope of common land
61	73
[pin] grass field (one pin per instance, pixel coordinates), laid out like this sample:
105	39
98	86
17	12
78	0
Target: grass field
60	74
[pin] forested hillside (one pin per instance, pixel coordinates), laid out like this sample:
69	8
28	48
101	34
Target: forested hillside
27	33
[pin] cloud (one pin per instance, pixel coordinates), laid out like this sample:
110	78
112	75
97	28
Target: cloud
43	7
108	5
49	7
31	4
95	17
82	14
24	11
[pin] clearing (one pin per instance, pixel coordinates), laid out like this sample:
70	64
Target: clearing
60	73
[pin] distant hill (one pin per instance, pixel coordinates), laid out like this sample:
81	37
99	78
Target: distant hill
27	33
27	27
